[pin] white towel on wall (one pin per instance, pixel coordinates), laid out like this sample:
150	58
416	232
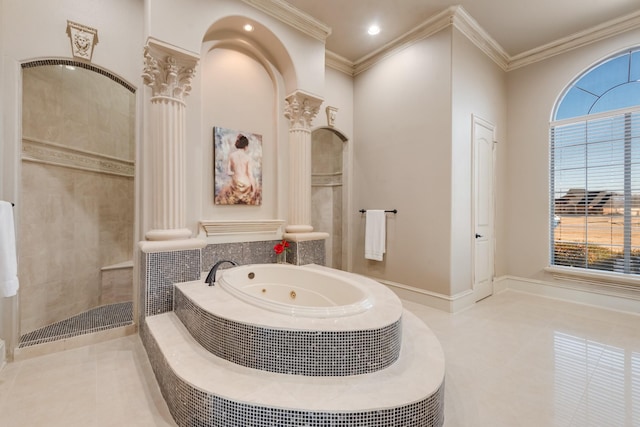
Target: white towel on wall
375	234
8	259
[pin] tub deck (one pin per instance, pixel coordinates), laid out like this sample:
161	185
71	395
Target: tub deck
387	308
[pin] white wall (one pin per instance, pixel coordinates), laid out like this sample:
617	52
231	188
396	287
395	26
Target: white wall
532	93
238	93
478	88
402	160
338	92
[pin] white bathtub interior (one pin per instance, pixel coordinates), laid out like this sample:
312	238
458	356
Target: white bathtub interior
298	291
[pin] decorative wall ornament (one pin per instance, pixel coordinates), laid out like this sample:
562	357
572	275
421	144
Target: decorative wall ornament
301	108
83	39
168	70
332	112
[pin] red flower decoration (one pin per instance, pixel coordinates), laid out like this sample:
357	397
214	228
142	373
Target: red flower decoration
281	247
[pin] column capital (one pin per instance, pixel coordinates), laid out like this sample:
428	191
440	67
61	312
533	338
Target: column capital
168	70
301	108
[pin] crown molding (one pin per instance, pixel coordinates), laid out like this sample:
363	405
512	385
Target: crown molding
296	18
339	63
458	17
429	27
574	41
478	36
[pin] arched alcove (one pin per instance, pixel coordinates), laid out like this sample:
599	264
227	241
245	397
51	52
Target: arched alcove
244	79
77	200
329	165
260	42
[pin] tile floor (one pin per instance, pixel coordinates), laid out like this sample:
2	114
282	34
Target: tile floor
512	360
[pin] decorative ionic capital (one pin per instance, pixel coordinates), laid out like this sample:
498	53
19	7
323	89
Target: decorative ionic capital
300	109
168	70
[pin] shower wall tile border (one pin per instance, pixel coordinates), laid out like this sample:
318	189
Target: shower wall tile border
308	353
190	406
50	153
85	65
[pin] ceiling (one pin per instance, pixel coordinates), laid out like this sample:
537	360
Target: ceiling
516	25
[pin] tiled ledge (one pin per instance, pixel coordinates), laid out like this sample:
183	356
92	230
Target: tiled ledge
203	389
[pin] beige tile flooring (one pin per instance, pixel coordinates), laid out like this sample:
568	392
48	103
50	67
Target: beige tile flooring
512	360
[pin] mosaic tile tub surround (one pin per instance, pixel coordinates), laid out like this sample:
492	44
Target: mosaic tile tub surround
203	389
315	348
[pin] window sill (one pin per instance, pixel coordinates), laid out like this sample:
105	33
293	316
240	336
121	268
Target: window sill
608	280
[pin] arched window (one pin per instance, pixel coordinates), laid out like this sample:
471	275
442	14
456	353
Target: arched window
595	169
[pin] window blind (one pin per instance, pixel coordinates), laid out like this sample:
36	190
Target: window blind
595	192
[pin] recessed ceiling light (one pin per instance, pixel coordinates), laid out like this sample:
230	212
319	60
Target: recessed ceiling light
248	27
373	30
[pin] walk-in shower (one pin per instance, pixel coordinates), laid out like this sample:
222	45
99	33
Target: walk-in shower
76	216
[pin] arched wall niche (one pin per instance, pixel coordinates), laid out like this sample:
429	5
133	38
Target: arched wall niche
252	101
260	42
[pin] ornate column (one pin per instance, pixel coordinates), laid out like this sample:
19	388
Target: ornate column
300	109
168	71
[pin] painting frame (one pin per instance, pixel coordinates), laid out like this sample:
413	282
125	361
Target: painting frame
237	167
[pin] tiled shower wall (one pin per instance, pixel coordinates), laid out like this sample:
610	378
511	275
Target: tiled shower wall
77	188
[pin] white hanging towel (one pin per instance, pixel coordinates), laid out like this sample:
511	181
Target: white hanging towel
8	260
375	234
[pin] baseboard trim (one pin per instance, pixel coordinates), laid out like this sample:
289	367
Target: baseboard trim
448	303
573	292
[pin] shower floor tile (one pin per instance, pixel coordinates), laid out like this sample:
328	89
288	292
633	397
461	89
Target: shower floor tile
94	320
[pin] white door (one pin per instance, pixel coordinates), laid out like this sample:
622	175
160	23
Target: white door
483	207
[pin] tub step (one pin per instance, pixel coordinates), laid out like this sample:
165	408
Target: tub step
203	389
